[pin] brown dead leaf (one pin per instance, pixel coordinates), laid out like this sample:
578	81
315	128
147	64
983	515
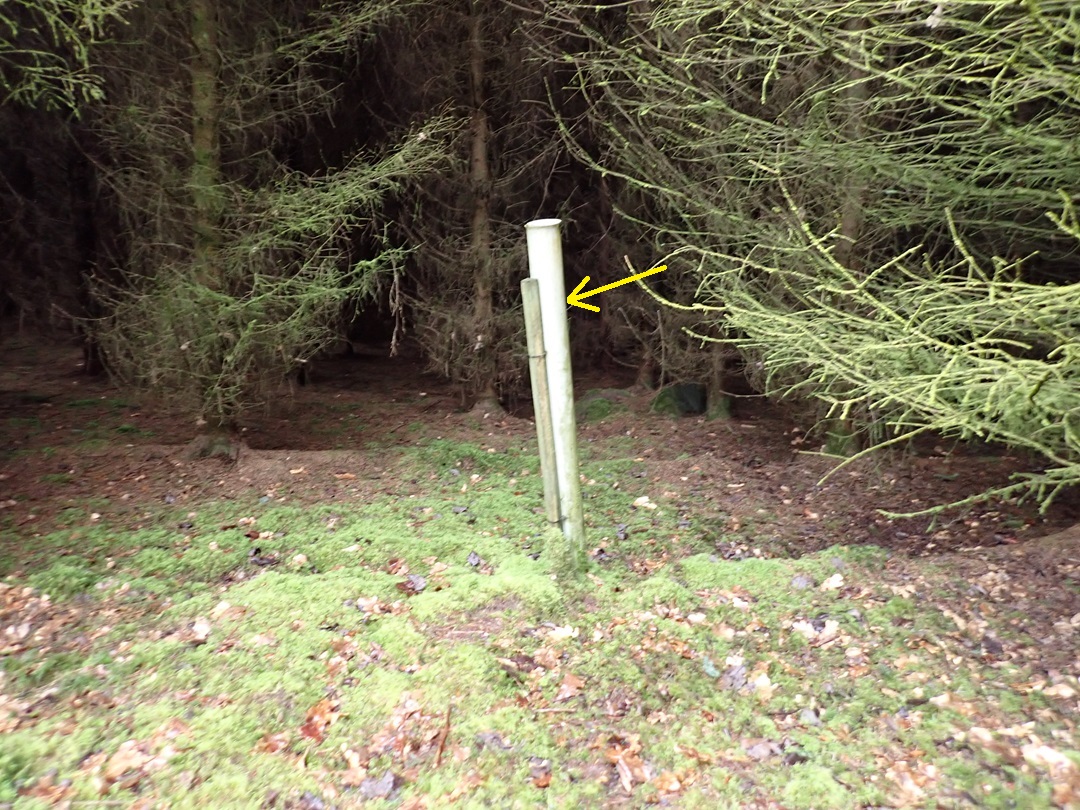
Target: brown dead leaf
356	771
410	732
911	778
547	658
1060	690
626	775
167	732
702	757
320	717
47	790
225	610
624	754
273	743
571	686
833	583
470	782
335	665
540	772
1061	770
10	712
667	782
761	749
129	758
412	585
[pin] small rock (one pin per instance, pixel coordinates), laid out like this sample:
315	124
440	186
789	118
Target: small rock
734	678
493	740
991	646
380	788
809	717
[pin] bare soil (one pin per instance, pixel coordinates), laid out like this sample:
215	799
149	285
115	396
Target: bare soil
71	437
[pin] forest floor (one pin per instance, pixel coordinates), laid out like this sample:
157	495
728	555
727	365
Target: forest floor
368	607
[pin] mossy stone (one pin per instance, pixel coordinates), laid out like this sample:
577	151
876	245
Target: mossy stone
684	399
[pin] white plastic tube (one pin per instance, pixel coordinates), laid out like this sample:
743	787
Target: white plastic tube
546	266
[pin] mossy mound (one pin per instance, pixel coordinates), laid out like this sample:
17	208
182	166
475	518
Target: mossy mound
600	403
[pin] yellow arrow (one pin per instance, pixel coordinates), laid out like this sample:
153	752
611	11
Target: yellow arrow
574	298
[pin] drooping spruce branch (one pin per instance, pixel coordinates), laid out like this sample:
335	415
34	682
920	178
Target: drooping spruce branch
870	195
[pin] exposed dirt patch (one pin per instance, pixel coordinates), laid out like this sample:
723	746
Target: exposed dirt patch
320	439
73	438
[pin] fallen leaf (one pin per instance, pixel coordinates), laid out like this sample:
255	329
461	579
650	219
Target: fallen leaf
1060	690
470	782
570	687
220	609
273	743
764	688
762	749
624	754
200	631
47	790
817	633
540	771
734	677
562	633
168	731
547	658
130	756
667	782
833	583
319	717
1049	759
412	585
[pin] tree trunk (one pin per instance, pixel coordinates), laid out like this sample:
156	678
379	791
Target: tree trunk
206	166
205	157
842	437
480	230
854	190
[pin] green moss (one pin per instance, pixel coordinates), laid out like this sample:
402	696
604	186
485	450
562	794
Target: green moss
813	787
658	589
599	404
65	578
520	578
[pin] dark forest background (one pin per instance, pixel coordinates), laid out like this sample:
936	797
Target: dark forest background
866	207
